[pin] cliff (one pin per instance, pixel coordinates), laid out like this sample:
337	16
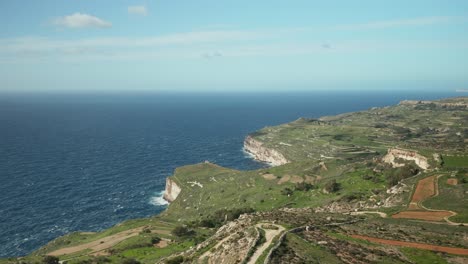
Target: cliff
394	153
172	190
263	153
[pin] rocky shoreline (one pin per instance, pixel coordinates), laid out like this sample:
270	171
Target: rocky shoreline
262	153
171	191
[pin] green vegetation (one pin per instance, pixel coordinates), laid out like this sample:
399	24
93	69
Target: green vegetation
308	252
451	197
333	159
260	241
423	256
50	260
455	162
182	231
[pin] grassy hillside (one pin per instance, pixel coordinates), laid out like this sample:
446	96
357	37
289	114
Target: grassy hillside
336	167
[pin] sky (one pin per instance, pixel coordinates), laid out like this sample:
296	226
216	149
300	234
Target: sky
231	46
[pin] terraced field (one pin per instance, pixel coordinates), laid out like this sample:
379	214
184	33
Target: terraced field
331	198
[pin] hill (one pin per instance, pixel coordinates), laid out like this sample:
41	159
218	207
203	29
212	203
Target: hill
386	185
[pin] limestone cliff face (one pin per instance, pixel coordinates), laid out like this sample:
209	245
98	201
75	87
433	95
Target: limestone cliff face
172	190
394	153
262	153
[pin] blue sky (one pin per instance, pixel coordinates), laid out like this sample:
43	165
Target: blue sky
233	45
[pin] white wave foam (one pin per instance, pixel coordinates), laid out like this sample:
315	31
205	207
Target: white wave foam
247	154
158	199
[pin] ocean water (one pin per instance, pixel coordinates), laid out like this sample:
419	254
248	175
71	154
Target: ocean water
85	162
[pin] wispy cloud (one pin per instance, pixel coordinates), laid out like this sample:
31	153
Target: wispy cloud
211	55
211	44
420	21
79	20
138	10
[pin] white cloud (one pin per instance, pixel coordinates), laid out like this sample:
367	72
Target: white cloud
420	21
79	20
212	44
138	10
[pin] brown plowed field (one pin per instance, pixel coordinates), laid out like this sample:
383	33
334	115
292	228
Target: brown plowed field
423	215
450	250
424	190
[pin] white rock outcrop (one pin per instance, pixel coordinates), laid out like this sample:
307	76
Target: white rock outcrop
395	153
262	153
172	190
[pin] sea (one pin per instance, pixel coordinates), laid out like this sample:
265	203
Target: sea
87	161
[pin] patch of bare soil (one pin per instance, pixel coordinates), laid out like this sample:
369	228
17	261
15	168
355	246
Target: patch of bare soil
162	244
452	181
424	215
103	243
296	179
269	176
424	190
284	179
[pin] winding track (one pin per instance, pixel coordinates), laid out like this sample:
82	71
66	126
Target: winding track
270	234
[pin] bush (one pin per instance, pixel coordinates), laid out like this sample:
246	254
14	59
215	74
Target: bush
182	231
146	230
395	175
50	260
155	240
130	261
101	260
208	222
332	186
223	215
287	191
175	260
352	196
304	186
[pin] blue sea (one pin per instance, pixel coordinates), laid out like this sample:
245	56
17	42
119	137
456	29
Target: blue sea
85	162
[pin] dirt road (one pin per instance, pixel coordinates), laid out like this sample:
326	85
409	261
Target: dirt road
103	243
270	234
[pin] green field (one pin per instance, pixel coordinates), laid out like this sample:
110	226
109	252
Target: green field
451	197
335	160
459	161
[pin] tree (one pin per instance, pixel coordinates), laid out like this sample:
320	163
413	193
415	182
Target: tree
155	240
50	260
130	261
332	186
303	186
175	260
181	231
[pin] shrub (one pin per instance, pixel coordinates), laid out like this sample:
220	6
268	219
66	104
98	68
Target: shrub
182	231
208	222
395	175
175	260
155	240
101	260
50	260
130	261
146	230
303	186
332	186
287	191
352	196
